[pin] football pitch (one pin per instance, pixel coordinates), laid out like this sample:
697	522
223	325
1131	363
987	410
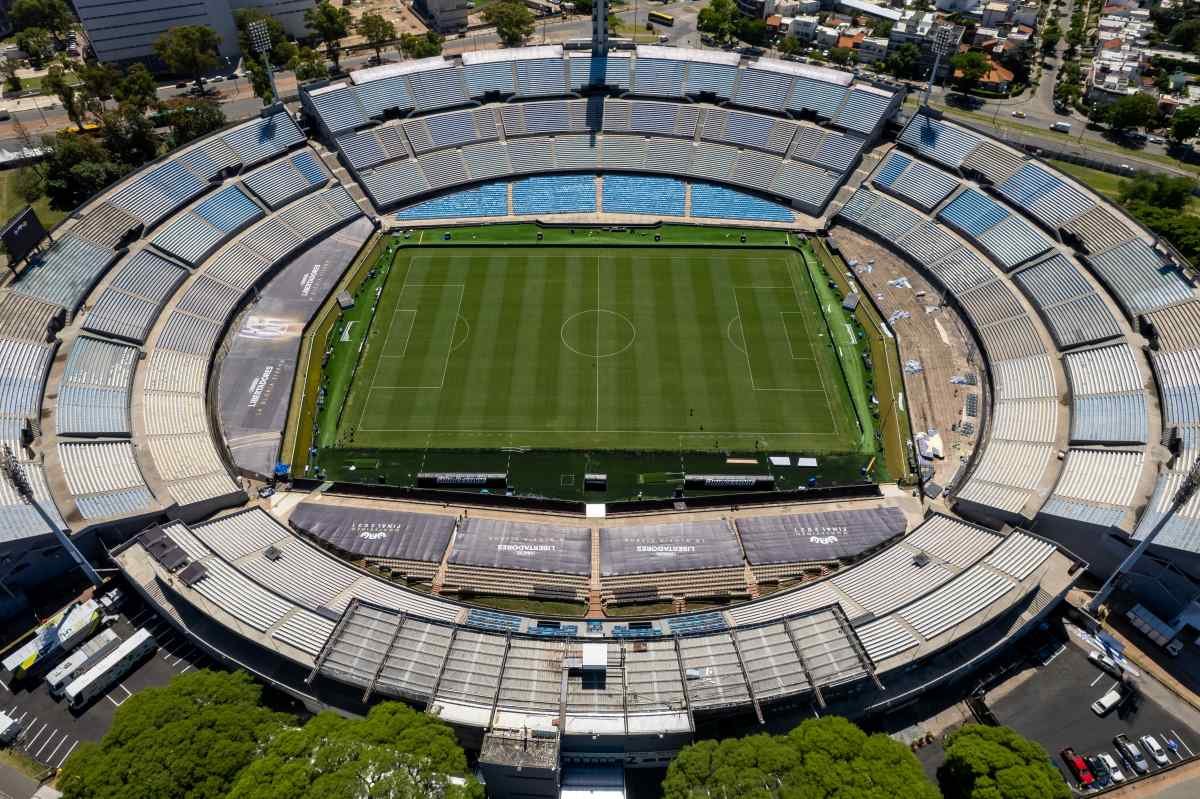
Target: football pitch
596	348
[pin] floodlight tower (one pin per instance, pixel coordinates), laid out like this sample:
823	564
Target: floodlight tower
15	476
260	37
1183	494
945	41
600	27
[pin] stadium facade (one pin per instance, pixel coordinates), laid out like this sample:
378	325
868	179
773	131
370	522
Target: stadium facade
1087	326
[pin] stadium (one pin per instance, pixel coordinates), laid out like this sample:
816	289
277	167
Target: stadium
589	331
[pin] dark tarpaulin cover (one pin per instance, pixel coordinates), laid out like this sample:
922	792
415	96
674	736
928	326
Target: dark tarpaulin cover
831	535
501	544
376	532
649	549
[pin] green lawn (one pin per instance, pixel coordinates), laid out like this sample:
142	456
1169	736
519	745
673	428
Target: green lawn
591	348
11	203
1099	181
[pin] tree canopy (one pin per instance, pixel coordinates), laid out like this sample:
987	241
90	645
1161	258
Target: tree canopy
1186	35
997	763
1158	189
378	30
969	67
513	21
189	50
308	65
52	16
826	758
394	752
1185	124
189	739
422	45
720	19
905	62
282	49
35	43
330	23
1132	111
192	118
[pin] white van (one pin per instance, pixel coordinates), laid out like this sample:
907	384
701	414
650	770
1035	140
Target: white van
1107	702
1061	127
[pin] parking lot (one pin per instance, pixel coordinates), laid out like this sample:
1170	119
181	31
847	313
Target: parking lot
51	730
1053	707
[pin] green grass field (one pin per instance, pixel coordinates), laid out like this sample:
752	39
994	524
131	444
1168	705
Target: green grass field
591	348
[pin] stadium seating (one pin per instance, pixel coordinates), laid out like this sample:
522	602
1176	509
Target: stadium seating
490	199
709	200
93	394
554	194
634	194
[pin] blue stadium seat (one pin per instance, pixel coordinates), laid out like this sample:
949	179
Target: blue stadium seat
554	194
489	199
641	194
721	202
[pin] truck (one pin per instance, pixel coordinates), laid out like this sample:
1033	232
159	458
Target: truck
54	638
109	669
80	660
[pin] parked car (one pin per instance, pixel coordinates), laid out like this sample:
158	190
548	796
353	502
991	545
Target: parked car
1133	756
1157	140
1107	702
1105	663
1078	768
1114	768
1151	745
1019	114
1099	771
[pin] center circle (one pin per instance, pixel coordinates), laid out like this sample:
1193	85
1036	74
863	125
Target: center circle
598	333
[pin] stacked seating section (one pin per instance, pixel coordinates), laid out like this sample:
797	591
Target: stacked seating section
132	301
104	480
93	394
193	236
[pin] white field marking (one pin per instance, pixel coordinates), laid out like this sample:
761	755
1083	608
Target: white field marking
494	431
387	338
367	336
1099	677
596	349
783	315
465	339
746	352
462	290
820	367
729	333
68	754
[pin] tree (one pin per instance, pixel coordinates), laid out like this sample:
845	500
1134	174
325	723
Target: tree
421	45
1132	111
882	28
189	50
12	81
35	43
841	55
997	763
190	738
137	90
330	23
1186	35
308	65
282	50
70	94
260	80
192	118
1158	190
377	30
77	168
29	184
790	45
129	136
969	67
752	30
97	83
53	16
719	18
1186	123
1051	36
513	21
905	62
826	757
394	751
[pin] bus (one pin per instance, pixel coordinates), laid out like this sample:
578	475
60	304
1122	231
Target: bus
78	661
661	18
112	667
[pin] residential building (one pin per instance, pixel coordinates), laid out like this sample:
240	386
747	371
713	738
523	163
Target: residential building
802	27
872	49
444	16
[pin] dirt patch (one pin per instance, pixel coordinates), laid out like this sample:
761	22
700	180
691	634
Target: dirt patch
934	336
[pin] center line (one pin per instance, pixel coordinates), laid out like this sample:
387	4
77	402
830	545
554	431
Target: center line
596	352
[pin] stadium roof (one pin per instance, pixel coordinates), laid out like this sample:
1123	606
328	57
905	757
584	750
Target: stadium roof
809	537
648	549
500	544
375	532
